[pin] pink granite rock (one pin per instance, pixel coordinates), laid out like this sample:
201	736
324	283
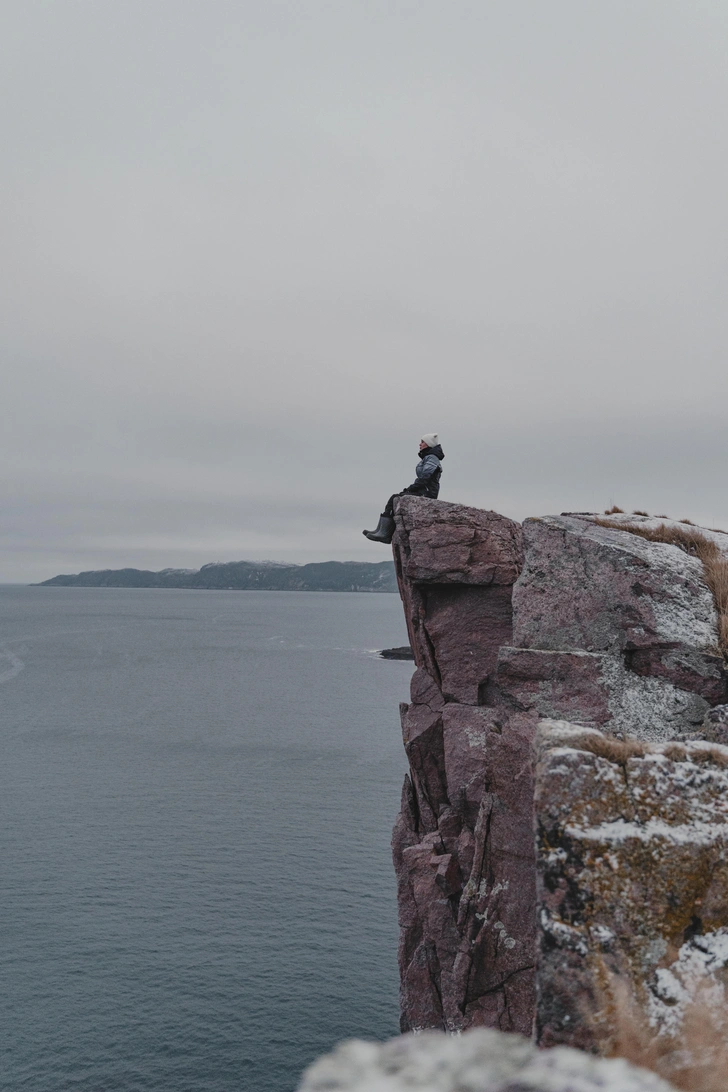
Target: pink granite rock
467	944
566	685
644	607
601	628
423	744
456	567
447	543
598	589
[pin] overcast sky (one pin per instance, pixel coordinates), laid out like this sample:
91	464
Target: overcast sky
252	249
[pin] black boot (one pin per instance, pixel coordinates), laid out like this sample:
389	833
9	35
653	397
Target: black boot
383	531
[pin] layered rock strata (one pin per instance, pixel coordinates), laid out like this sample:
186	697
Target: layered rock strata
560	618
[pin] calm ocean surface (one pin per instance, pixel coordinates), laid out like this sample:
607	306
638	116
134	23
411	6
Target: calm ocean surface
197	791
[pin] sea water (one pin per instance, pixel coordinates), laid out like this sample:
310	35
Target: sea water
196	798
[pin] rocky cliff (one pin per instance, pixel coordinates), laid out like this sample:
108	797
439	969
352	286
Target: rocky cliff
568	620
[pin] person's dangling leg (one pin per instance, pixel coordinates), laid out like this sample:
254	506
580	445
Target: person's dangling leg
384	530
388	510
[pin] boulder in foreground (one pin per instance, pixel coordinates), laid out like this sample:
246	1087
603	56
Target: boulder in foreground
481	1060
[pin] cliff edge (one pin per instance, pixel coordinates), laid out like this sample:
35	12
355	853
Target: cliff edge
506	920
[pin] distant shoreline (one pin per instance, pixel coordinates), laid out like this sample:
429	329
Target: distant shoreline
340	576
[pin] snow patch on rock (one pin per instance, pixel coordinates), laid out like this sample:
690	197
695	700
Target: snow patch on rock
691	977
693	833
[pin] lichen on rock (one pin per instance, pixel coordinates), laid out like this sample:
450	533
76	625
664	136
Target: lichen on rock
633	880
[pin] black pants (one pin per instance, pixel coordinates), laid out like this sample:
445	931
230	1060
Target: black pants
389	506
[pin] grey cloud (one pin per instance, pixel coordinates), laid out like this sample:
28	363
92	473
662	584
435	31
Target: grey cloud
252	250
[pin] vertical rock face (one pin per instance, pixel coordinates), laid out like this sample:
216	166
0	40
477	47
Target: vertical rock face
559	619
463	844
632	880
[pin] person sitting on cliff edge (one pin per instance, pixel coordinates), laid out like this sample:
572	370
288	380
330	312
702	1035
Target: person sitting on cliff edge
426	484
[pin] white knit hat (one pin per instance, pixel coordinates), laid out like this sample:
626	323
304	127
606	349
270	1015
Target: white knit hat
431	439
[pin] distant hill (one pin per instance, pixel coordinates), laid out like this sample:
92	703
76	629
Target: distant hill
357	576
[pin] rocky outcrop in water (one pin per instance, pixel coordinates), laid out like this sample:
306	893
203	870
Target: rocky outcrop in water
562	619
479	1061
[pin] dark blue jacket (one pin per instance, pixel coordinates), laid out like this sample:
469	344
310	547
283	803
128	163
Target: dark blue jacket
429	472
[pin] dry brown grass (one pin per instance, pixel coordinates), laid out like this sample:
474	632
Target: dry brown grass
613	510
693	542
675	752
615	750
632	1038
699	755
709	754
695	1061
620	751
